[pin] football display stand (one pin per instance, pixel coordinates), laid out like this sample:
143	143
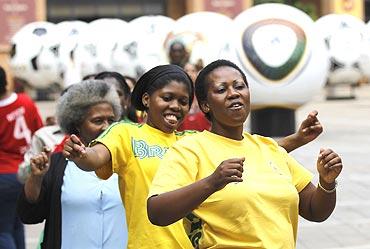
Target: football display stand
337	92
273	122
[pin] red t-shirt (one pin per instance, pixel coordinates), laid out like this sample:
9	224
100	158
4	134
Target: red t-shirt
19	119
196	121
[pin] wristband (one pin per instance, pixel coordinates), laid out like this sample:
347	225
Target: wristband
328	191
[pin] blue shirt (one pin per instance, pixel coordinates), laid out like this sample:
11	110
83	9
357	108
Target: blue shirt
93	215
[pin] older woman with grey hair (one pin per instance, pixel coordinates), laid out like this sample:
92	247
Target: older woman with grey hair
73	106
79	209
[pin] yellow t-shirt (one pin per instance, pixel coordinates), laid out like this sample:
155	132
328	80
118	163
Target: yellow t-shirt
136	151
260	212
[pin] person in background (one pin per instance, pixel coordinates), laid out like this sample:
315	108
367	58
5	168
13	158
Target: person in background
20	118
124	93
79	209
177	54
50	136
134	151
132	112
131	82
47	136
195	120
260	185
50	120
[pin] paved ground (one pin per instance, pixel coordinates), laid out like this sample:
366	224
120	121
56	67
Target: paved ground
347	131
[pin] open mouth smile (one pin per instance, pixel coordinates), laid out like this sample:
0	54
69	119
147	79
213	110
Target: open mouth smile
236	106
171	118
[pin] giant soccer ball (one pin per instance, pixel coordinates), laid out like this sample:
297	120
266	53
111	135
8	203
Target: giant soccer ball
96	43
285	62
150	34
68	33
34	55
124	53
344	37
205	35
364	61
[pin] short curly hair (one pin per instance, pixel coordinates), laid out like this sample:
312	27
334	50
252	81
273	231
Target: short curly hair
73	105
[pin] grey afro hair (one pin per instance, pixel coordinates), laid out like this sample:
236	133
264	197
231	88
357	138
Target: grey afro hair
73	105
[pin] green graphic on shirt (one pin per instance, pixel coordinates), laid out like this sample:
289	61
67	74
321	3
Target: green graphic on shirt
193	228
142	150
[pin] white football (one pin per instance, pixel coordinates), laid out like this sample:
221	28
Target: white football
69	32
96	43
34	55
364	61
344	37
285	62
124	53
150	34
206	36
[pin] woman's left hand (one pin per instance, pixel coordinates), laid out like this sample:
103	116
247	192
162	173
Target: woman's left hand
310	128
329	165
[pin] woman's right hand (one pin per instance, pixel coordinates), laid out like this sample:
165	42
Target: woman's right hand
228	171
73	148
40	163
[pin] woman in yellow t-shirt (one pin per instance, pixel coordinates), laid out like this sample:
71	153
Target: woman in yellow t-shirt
237	190
134	151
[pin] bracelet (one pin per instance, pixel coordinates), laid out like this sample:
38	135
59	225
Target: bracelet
328	191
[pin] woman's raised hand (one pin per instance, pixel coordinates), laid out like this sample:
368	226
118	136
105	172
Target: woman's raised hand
73	148
310	128
329	165
40	163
